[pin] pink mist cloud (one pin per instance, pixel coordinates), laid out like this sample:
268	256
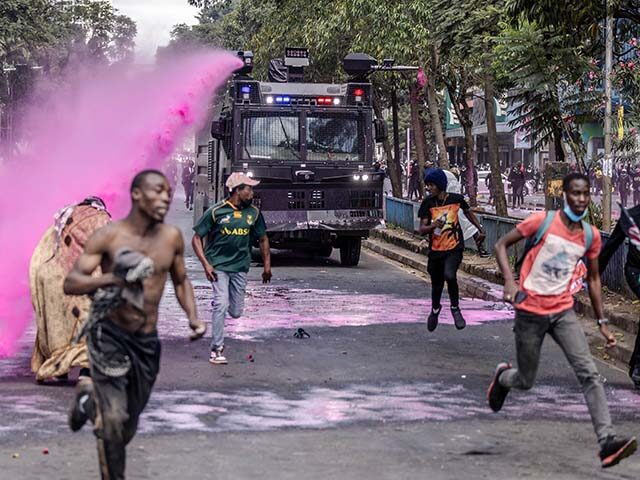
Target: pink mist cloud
90	139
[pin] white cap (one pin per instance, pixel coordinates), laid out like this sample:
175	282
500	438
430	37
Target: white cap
238	178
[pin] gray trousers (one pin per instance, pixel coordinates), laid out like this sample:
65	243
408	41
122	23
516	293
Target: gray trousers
566	330
228	298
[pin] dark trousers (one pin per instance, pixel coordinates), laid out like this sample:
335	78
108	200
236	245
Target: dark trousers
114	426
443	269
118	401
188	191
632	275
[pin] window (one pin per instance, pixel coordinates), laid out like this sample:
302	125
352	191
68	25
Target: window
269	136
331	137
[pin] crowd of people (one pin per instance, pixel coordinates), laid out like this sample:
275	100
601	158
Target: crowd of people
123	266
625	182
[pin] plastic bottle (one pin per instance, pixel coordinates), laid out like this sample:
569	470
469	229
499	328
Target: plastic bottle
443	219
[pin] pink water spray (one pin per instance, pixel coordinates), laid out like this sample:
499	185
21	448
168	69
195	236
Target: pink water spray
90	139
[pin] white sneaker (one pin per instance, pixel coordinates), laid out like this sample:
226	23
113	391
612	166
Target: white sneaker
217	358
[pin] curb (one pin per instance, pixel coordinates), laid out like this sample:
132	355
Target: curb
486	284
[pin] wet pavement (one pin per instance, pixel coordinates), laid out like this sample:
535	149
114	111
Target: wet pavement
370	395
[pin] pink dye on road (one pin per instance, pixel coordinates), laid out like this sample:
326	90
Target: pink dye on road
274	307
90	139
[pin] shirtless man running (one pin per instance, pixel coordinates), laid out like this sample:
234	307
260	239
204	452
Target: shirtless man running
136	254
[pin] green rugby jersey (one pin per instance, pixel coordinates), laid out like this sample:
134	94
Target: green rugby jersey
229	231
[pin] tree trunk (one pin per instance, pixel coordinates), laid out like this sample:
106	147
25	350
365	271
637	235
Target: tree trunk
559	148
396	140
464	117
393	165
472	190
417	126
497	187
434	111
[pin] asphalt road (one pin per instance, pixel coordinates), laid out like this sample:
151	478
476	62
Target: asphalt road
370	395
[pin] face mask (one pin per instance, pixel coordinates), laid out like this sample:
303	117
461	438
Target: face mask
569	213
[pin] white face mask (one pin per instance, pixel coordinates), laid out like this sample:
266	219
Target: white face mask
574	217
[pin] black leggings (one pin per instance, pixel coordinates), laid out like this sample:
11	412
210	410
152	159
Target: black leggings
633	279
445	269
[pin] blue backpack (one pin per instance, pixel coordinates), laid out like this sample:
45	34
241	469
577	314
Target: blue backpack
531	242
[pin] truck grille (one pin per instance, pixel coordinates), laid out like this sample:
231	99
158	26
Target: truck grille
364	199
317	200
296	200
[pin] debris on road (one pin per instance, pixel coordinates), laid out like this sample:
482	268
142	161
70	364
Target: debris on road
301	333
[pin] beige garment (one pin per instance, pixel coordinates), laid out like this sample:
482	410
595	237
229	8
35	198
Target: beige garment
59	317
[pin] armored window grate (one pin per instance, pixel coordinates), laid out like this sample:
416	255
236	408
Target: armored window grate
362	199
270	136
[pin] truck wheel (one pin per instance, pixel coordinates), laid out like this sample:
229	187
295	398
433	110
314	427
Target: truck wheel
350	252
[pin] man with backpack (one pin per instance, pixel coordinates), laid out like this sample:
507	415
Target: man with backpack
543	301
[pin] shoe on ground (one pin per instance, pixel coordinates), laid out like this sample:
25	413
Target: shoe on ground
432	321
217	357
482	253
82	405
496	393
458	319
615	449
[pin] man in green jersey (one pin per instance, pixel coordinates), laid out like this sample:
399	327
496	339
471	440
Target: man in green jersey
228	229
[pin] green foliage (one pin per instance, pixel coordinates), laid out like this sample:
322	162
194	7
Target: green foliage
51	32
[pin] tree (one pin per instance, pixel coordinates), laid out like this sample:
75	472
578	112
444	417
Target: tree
465	31
48	35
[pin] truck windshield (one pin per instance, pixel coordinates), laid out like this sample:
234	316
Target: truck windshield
331	137
271	137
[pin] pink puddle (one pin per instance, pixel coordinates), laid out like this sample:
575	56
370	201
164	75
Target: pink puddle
90	139
322	407
317	407
274	307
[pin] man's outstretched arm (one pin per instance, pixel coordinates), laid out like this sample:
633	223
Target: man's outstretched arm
184	289
79	281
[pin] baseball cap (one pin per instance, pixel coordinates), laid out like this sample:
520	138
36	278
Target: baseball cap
238	178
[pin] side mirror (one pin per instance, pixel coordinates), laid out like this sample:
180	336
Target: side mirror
219	129
381	131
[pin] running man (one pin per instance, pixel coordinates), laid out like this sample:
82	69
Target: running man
230	228
136	255
439	218
544	304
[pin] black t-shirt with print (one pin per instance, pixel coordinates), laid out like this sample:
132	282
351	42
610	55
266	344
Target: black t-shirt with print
450	237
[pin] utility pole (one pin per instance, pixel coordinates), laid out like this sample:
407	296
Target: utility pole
607	167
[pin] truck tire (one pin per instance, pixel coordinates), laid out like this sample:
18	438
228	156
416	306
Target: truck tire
350	252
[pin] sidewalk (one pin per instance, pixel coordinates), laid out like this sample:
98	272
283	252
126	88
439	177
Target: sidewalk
480	278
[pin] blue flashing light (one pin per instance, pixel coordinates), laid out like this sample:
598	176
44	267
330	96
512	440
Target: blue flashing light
245	89
279	100
286	99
